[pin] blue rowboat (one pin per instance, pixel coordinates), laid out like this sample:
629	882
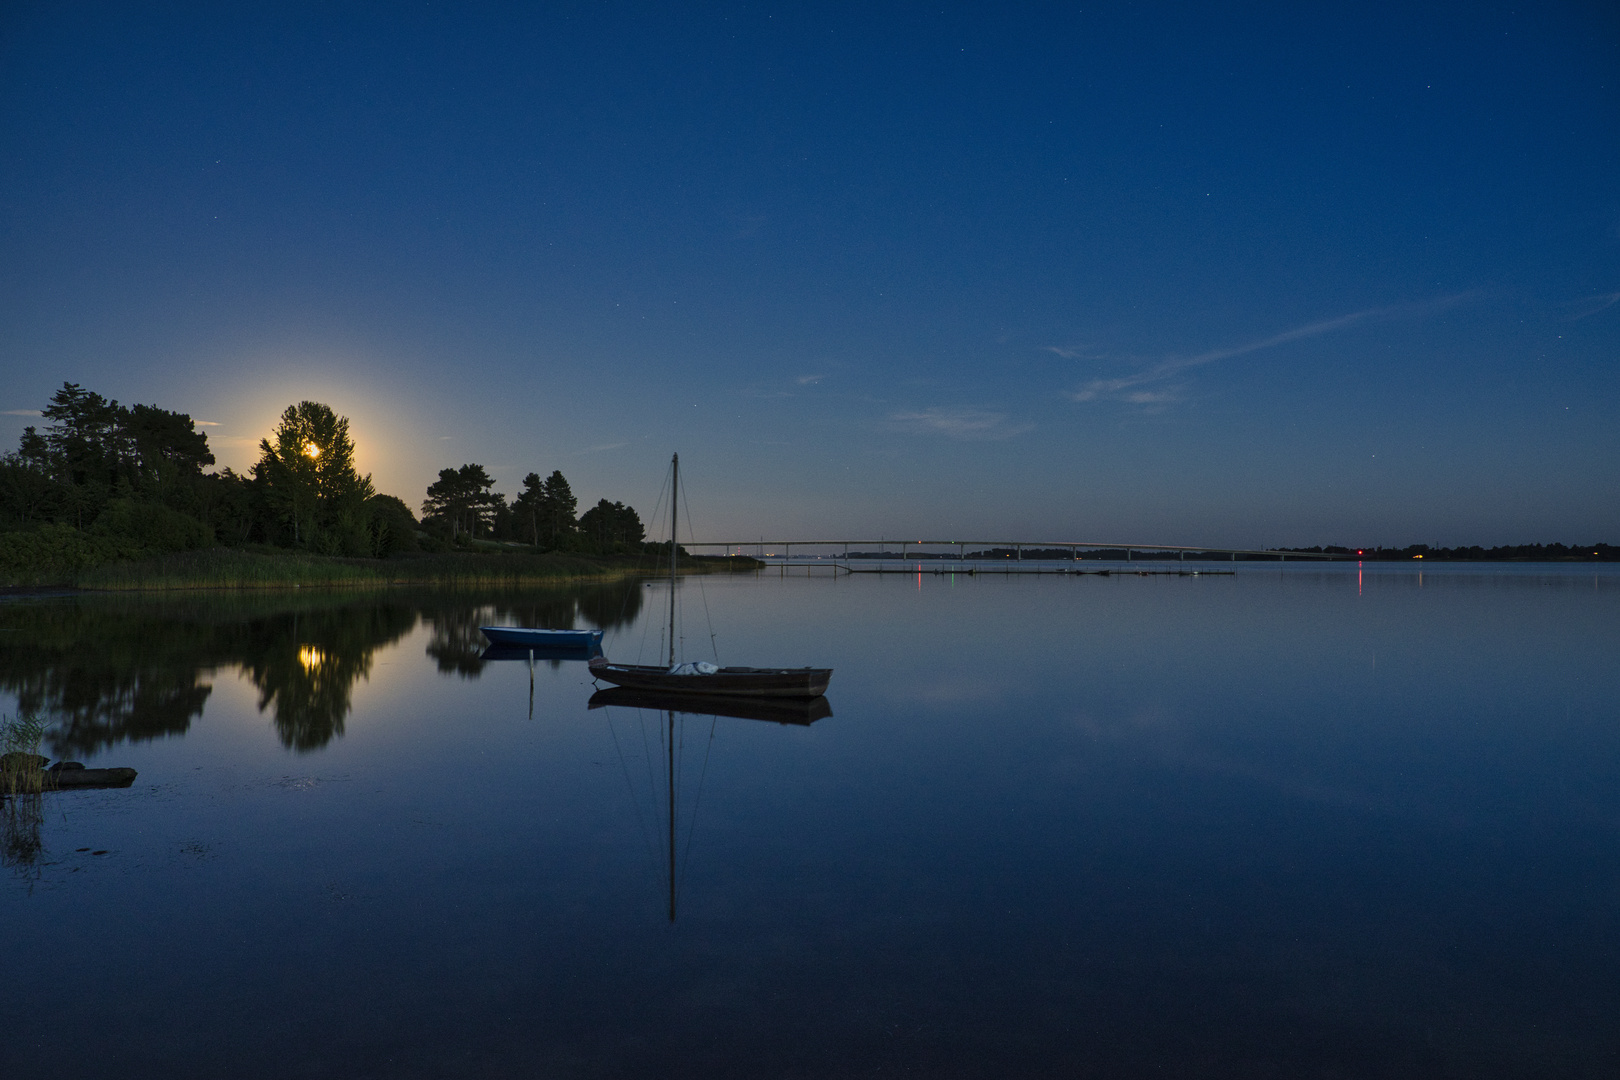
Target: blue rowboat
530	638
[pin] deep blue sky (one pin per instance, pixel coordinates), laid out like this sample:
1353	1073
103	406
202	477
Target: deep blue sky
1226	274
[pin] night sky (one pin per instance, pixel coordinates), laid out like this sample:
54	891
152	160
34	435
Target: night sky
1251	274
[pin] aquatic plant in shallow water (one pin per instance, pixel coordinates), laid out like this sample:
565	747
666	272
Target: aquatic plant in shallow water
22	779
22	769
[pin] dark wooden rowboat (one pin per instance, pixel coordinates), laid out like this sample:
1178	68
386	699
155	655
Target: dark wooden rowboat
729	681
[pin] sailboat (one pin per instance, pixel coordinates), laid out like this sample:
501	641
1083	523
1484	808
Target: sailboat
672	711
703	678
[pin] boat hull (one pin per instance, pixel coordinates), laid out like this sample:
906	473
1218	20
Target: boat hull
531	638
728	681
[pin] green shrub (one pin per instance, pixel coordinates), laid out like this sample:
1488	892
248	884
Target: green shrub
151	527
54	554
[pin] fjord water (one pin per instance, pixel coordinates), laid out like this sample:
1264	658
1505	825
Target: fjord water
1298	821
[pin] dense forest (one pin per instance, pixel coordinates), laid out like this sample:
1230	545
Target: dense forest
104	482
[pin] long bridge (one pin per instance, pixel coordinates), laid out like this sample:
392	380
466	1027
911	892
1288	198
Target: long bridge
914	548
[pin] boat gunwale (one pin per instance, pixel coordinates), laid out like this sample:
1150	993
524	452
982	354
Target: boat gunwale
803	682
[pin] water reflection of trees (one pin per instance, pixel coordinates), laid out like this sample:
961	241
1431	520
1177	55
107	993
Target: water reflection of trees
458	648
104	674
110	670
306	673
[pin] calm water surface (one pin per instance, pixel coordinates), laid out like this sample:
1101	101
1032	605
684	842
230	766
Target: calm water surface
1299	821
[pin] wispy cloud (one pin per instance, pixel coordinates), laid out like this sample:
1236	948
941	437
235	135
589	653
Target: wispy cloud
599	449
21	412
206	423
1591	305
965	424
809	380
1125	387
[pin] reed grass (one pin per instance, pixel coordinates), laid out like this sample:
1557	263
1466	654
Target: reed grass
271	568
22	769
261	567
22	785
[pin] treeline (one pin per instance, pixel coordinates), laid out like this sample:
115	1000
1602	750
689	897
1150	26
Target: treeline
462	506
104	482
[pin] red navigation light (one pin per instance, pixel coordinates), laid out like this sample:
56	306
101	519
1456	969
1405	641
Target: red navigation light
1358	551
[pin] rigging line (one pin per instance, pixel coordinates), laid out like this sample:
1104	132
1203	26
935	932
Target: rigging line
647	754
686	852
630	786
646	624
703	594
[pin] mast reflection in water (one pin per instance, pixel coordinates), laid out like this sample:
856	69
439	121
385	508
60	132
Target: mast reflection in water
672	743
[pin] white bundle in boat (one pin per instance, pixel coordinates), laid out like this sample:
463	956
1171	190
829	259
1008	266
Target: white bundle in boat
698	667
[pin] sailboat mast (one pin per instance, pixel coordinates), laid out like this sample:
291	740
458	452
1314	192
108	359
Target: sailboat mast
674	501
674	546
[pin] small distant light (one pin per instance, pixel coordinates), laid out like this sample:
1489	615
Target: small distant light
1417	556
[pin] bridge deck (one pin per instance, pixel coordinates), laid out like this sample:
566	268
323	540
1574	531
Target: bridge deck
912	548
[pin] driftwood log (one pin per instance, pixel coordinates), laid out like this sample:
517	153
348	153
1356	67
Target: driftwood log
24	773
59	779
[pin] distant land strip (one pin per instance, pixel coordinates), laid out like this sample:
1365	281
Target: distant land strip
1049	549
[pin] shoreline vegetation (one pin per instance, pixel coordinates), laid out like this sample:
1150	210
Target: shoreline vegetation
243	568
111	497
